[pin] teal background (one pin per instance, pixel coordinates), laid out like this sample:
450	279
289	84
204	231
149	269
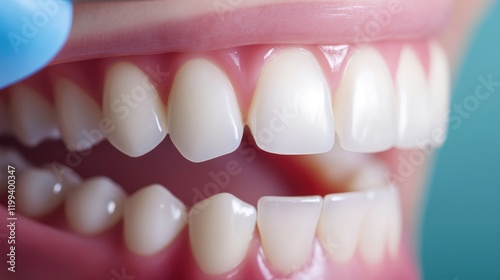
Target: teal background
460	237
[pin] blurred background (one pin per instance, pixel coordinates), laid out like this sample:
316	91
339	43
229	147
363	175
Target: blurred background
460	233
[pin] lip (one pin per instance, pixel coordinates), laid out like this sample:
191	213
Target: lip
115	29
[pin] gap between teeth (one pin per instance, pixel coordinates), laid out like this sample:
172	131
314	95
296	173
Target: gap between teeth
292	110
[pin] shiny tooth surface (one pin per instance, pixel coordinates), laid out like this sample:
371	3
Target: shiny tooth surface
374	229
65	175
365	104
38	192
287	227
220	230
340	224
439	87
32	117
4	118
94	206
204	119
413	100
78	116
134	108
291	110
153	217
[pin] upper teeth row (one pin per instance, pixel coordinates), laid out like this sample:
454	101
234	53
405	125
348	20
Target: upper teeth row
291	112
221	227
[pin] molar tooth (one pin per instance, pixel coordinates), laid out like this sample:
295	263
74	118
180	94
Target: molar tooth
38	192
94	206
439	87
365	104
287	226
220	232
78	116
374	230
134	107
413	98
340	224
291	110
153	217
32	118
203	116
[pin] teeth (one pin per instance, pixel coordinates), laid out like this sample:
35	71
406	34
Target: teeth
203	116
291	111
374	232
340	224
439	87
413	97
365	104
78	116
4	118
287	227
95	206
11	157
38	192
152	219
32	117
220	232
65	175
371	175
395	227
135	109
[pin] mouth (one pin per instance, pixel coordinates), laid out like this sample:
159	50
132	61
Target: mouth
242	140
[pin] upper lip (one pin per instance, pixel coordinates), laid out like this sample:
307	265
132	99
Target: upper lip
149	27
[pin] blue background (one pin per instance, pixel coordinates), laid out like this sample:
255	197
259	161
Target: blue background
460	237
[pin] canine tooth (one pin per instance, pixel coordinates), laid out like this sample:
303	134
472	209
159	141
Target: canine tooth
78	116
220	230
439	87
340	224
38	192
204	119
134	107
365	104
32	118
413	98
152	219
291	110
374	230
287	226
94	206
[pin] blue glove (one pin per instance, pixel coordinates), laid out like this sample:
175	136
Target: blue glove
32	32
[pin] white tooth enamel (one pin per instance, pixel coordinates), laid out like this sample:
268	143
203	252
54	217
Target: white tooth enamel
287	226
413	98
38	192
340	224
220	230
152	219
94	206
369	176
9	156
32	118
4	118
374	230
65	175
291	110
204	119
394	226
365	104
439	87
135	109
78	116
